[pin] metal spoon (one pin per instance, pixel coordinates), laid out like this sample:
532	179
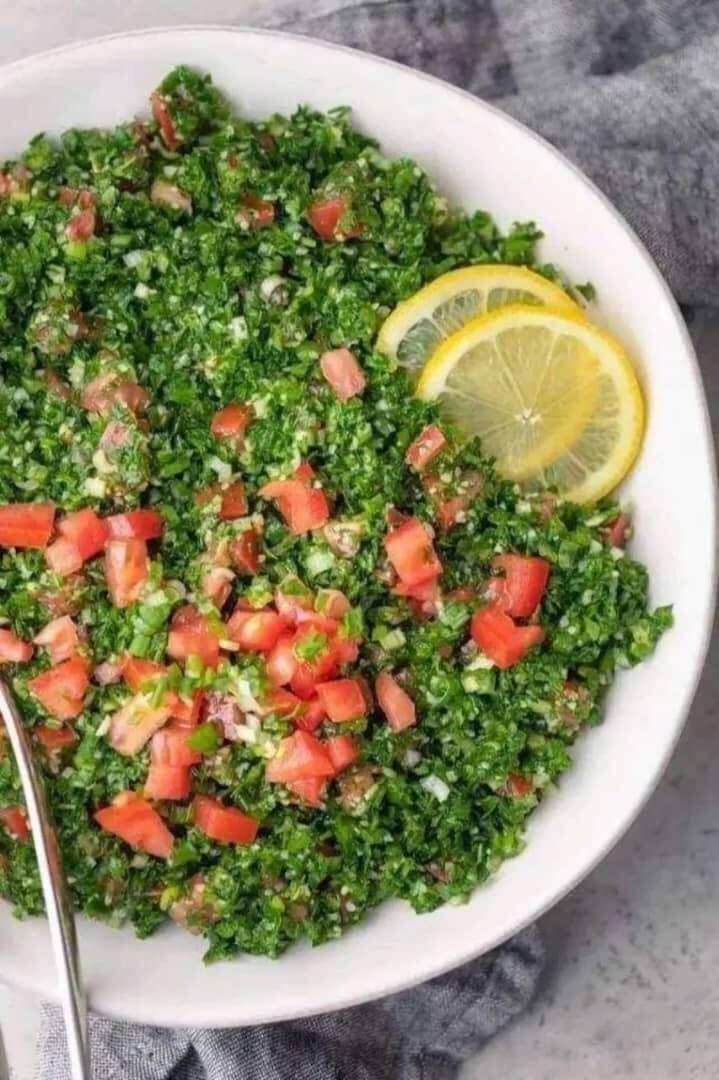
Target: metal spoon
57	905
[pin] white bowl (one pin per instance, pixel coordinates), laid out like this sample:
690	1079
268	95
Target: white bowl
481	159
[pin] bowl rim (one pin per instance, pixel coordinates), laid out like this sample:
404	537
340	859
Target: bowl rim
396	981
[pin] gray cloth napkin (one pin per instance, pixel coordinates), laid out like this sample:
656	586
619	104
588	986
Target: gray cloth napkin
628	89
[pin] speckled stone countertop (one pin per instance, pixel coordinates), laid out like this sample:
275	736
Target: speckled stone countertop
631	989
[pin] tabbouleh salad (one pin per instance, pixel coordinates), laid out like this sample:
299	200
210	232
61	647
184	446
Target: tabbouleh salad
286	644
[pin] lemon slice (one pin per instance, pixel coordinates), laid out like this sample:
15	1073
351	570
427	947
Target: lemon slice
417	326
554	399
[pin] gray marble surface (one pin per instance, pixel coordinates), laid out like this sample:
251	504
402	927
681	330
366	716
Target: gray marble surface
631	990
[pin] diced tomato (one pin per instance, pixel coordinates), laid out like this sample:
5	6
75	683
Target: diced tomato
138	673
426	591
15	821
187	713
63	557
256	631
522	587
127	568
169	746
26	525
135	723
245	552
343	372
499	638
62	689
226	824
425	448
615	533
217	585
231	423
323	624
410	550
163	116
170	782
60	638
82	225
254	213
86	531
299	757
311	791
55	739
107	672
111	389
342	700
316	651
281	702
281	661
303	683
452	509
332	602
311	715
395	703
137	823
13	650
325	216
136	525
518	786
293	599
304	472
234	501
346	650
303	507
190	635
343	751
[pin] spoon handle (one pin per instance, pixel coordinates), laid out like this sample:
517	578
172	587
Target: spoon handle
57	905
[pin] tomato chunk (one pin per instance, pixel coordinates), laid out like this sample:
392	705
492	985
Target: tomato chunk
343	372
425	448
310	791
135	723
234	501
281	661
108	390
299	757
343	751
15	821
86	531
163	117
325	216
310	715
256	631
616	531
63	557
332	602
499	638
190	635
520	589
254	213
133	820
226	824
62	689
410	550
26	525
303	507
245	552
170	782
13	650
60	638
52	739
127	568
231	423
138	673
169	746
136	525
342	700
82	225
395	703
293	599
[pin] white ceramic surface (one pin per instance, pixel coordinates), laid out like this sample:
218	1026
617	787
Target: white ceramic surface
482	159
